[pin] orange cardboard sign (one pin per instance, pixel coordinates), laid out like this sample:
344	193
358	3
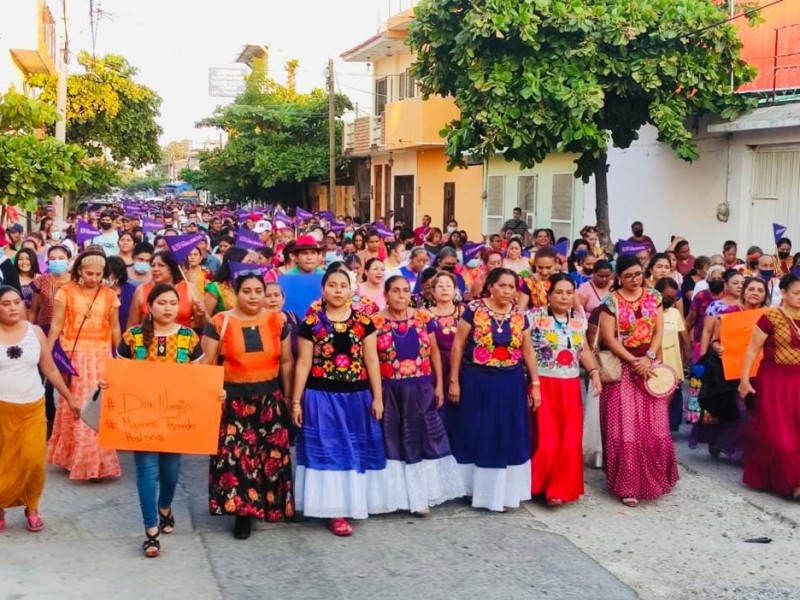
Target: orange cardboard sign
734	335
161	407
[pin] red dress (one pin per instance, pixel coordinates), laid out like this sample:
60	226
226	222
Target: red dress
772	454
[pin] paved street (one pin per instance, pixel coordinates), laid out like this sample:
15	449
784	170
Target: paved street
685	546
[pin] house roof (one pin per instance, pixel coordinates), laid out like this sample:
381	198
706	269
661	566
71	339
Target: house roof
768	117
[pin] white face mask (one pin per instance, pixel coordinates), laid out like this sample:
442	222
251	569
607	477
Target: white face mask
451	229
56	235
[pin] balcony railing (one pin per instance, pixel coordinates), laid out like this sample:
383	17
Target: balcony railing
363	135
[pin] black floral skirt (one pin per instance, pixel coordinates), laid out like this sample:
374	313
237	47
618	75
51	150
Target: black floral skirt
251	474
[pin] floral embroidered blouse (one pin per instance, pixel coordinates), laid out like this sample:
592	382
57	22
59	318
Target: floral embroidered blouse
536	290
404	347
557	343
358	303
182	346
338	360
495	340
637	320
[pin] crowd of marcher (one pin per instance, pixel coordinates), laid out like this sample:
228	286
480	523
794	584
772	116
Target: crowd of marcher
374	368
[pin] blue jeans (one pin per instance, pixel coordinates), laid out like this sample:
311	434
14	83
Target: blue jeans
152	469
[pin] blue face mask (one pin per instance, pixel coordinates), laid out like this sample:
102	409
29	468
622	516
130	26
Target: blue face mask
141	267
474	263
331	256
766	274
58	267
348	235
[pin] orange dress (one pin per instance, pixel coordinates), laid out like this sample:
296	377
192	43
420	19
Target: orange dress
185	307
73	445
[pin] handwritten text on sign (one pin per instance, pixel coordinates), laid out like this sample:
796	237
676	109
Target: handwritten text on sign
161	407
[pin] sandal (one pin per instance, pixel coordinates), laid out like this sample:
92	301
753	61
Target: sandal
340	527
151	546
630	502
166	522
35	522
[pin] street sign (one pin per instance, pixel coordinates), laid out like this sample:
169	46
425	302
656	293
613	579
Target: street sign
226	82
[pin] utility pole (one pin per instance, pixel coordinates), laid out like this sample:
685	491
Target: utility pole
331	138
61	103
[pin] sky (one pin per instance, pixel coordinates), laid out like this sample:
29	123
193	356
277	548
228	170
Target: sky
174	42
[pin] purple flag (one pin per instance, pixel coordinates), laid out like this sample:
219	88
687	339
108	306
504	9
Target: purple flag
238	269
182	245
326	214
626	247
383	231
471	250
84	232
280	217
337	226
302	213
562	249
431	258
62	361
248	240
778	231
149	225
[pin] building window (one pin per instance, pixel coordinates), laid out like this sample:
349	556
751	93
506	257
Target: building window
495	203
526	198
408	85
562	207
381	92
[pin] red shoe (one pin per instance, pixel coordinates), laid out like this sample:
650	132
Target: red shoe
35	522
340	527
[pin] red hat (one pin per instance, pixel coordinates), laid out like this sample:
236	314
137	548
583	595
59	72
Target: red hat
306	242
254	216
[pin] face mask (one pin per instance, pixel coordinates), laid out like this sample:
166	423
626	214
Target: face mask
348	235
588	271
56	235
105	226
474	263
766	274
784	254
638	232
449	268
109	282
451	229
753	264
331	256
668	303
58	267
716	287
141	267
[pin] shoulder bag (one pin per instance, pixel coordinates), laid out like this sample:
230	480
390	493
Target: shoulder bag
608	363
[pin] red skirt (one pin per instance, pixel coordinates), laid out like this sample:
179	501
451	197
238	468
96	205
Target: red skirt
557	464
772	452
640	459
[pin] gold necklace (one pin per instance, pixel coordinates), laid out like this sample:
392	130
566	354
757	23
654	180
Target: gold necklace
88	314
498	322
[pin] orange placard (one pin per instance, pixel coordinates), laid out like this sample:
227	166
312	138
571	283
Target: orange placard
161	407
734	335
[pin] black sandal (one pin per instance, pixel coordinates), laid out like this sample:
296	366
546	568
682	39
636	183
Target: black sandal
151	546
166	520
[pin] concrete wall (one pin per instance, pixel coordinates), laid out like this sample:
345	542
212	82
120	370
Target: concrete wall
672	197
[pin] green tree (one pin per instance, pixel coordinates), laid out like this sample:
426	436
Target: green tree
32	167
132	183
533	77
107	109
277	139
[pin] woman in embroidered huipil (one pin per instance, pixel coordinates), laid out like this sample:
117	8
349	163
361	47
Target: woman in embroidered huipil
159	338
337	404
772	455
491	424
251	474
446	314
419	460
640	460
559	339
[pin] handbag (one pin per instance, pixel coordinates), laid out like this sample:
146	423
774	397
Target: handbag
90	414
609	364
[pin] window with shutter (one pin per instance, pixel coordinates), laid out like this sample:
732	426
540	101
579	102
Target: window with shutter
495	203
562	205
526	198
381	91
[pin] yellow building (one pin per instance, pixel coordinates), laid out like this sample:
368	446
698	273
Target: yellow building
27	42
400	165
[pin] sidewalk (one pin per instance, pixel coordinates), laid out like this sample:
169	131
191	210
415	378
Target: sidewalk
91	549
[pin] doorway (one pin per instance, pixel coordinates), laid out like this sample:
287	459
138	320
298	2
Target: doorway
404	198
449	206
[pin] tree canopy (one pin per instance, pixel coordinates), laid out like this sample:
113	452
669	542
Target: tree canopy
32	167
276	137
533	77
108	109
